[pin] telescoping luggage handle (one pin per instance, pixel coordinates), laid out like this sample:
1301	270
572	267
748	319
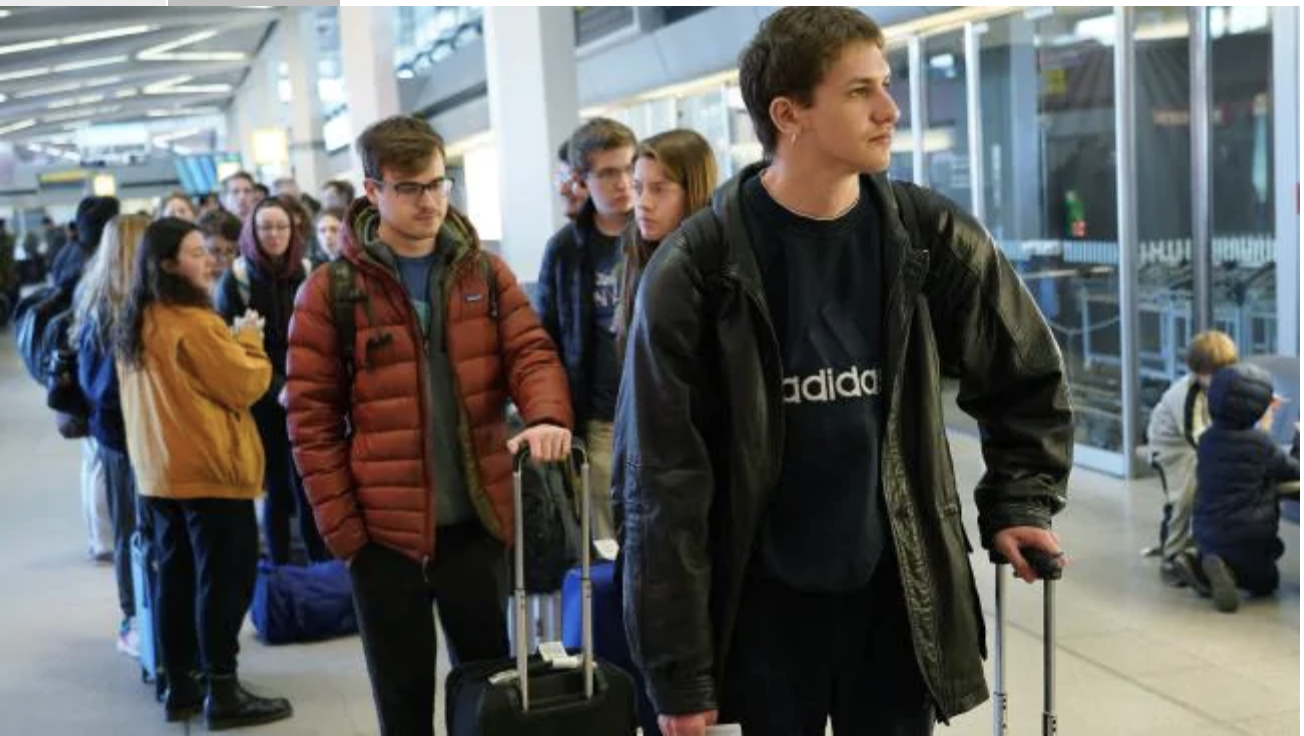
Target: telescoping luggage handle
581	457
1048	569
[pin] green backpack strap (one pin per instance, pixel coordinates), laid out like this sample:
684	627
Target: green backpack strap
343	296
487	270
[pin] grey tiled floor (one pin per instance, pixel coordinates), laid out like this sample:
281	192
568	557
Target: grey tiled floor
1134	658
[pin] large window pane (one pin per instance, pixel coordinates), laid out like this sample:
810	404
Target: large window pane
1244	250
1165	289
946	136
903	144
1047	105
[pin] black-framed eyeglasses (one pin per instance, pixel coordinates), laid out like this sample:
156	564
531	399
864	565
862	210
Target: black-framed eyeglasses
413	191
613	174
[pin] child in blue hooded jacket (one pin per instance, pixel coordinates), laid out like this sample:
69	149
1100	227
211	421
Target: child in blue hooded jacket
1236	506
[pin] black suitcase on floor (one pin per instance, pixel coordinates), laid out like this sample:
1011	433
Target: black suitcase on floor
490	699
1049	571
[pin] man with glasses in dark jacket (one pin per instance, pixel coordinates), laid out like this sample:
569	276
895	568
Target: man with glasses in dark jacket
579	291
792	542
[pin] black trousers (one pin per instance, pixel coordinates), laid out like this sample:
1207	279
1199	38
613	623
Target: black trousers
800	658
392	595
285	494
208	562
1254	564
121	484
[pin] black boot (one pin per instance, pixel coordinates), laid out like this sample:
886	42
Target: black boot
185	697
231	706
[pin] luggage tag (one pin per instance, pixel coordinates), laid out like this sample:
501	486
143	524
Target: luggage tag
607	549
557	657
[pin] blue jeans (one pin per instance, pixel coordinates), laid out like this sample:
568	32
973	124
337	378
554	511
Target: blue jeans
121	485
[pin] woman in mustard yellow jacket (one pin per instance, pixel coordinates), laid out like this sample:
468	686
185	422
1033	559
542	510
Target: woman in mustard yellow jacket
187	382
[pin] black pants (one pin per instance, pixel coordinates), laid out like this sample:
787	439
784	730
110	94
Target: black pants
208	562
1253	564
285	494
121	484
392	594
800	658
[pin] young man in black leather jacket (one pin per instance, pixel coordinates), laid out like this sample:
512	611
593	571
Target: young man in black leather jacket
793	547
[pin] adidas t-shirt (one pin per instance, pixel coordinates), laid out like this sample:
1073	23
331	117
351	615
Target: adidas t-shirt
825	528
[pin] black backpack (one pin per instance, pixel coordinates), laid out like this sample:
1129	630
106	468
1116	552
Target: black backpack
33	315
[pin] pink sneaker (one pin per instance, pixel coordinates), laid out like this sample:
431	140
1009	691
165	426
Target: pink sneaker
128	639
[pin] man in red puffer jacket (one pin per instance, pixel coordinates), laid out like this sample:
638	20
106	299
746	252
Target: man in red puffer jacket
405	454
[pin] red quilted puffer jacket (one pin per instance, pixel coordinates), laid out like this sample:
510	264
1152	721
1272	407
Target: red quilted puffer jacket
372	484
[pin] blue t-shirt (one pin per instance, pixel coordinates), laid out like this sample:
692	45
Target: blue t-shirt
415	274
452	501
824	529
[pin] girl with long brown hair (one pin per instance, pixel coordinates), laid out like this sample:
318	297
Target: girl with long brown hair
674	176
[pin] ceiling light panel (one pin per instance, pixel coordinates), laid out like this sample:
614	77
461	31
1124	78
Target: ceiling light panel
178	86
167	51
75	101
18	48
15	127
105	35
73	66
25	74
48	43
69	87
55	90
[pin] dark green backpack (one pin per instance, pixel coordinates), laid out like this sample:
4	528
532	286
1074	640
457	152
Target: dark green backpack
344	294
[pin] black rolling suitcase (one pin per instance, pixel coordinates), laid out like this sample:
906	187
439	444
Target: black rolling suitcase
1049	571
491	699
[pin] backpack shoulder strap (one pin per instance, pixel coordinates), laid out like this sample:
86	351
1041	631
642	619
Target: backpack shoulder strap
705	233
343	296
240	273
487	270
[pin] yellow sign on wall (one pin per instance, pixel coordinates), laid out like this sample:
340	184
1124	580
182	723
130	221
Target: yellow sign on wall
271	147
104	185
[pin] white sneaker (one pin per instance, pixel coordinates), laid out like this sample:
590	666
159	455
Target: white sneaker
128	639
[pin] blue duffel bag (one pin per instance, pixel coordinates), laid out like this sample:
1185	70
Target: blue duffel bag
609	642
300	604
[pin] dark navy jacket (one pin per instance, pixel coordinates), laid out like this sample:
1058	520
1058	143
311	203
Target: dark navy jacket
273	299
1235	504
99	382
564	300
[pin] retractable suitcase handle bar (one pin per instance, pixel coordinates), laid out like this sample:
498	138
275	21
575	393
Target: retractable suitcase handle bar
581	457
1047	567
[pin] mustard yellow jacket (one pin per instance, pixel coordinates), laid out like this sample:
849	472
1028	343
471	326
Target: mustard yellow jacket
189	430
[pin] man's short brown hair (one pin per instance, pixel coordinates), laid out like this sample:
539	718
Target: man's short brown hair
401	143
596	136
790	54
220	224
1210	351
226	183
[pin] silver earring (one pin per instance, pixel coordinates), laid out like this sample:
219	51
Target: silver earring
793	139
